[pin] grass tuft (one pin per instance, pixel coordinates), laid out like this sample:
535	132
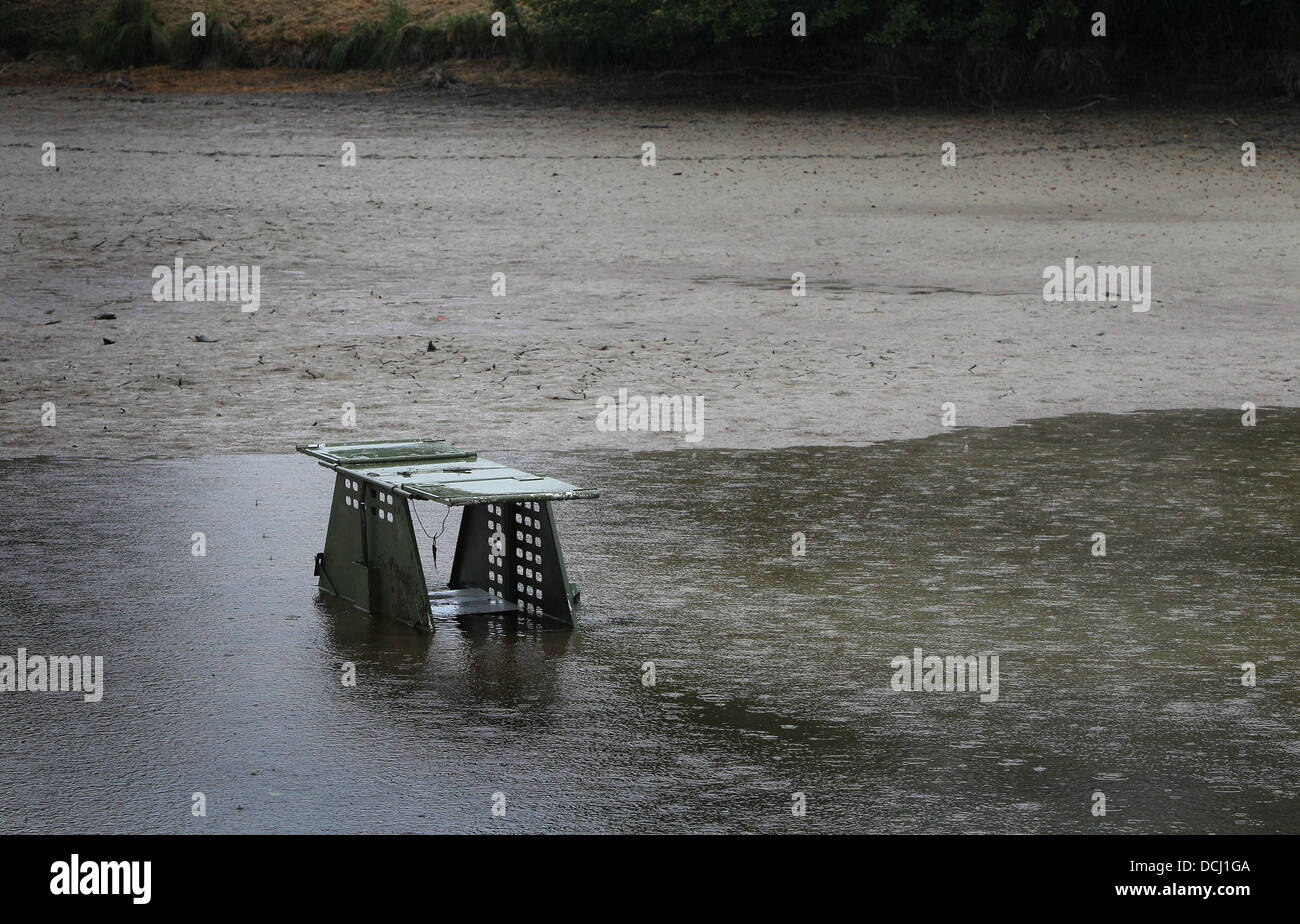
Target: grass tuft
128	34
220	47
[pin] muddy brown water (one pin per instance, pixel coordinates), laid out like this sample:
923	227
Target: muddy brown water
1119	674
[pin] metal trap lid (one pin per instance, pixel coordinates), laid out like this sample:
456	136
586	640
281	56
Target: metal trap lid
430	469
473	481
381	452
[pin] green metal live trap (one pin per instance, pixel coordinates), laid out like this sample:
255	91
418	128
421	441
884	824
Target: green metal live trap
507	559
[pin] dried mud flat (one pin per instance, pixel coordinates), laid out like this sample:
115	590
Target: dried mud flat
924	282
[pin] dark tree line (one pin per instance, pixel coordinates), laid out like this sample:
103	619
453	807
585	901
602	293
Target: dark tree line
969	48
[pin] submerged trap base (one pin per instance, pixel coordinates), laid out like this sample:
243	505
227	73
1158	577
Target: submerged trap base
468	601
508	556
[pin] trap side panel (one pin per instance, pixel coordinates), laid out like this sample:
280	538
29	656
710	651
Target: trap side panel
538	580
370	560
343	569
474	557
397	583
512	550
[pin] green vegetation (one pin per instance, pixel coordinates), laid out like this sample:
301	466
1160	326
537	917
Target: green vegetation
128	33
398	42
220	46
971	49
963	51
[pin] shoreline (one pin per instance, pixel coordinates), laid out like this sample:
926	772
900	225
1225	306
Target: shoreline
1230	418
499	78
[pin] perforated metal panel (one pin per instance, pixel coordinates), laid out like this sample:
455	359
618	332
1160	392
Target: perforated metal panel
370	556
511	550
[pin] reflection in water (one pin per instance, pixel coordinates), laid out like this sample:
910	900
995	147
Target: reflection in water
1118	673
504	658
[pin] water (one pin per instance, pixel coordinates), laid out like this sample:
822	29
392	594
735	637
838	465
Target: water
1119	674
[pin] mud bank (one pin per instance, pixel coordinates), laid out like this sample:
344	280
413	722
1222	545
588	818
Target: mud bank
924	283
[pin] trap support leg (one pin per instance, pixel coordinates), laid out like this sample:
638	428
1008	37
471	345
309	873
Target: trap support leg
512	550
370	555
